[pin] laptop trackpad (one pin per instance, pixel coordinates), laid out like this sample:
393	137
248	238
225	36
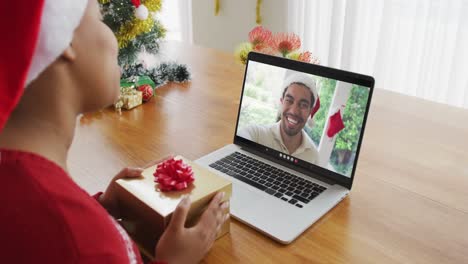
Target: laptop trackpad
244	201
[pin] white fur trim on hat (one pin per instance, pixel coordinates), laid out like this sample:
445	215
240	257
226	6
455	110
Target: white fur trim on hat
59	20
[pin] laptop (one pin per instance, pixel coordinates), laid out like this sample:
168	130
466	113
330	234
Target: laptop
296	145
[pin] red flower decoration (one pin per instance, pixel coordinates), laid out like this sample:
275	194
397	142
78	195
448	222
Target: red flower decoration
265	49
285	43
305	56
308	57
260	37
173	175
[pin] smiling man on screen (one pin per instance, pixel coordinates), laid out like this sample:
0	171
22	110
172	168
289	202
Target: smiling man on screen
299	103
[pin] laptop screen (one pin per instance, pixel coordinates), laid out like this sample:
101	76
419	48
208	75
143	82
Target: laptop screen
307	118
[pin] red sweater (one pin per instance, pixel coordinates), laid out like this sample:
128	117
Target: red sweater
45	217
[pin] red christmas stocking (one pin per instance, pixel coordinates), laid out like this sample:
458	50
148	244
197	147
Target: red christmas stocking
335	125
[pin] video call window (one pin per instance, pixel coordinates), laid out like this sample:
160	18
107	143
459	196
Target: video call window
312	118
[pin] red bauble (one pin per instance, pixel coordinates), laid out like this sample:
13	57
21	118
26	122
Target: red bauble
147	92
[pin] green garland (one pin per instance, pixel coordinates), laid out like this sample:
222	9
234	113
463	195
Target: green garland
162	74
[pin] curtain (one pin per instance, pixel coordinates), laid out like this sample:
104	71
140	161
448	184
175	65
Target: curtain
176	16
417	47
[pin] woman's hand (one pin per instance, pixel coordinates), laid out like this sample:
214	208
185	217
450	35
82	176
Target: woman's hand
109	199
189	245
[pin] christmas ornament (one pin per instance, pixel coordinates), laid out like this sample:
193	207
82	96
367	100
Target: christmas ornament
141	12
173	175
147	91
217	7
258	15
335	124
258	6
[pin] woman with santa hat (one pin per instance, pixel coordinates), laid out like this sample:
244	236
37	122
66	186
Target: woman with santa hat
58	60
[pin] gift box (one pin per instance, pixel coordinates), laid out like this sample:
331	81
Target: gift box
146	210
136	81
129	98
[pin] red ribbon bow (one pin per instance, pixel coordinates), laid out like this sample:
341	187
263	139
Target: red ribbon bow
173	175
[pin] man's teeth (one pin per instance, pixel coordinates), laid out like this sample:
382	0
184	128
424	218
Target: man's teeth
292	121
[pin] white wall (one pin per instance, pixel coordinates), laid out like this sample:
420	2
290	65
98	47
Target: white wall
234	21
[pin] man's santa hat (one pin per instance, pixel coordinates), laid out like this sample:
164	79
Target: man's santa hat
35	33
311	83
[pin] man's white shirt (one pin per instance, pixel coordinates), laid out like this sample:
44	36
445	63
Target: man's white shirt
270	136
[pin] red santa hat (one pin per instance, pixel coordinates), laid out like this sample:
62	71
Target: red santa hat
35	34
311	83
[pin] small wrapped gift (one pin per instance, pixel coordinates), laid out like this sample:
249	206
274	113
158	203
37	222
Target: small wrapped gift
129	98
137	81
147	204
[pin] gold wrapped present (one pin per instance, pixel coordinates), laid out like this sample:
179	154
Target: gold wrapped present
129	98
146	210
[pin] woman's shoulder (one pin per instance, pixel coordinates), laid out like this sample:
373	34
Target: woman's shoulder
45	214
31	174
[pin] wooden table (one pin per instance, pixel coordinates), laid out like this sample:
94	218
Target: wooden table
409	203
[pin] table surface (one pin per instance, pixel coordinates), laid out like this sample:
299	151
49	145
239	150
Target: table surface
409	202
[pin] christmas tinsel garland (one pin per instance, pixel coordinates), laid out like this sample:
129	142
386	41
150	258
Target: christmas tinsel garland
133	35
136	34
162	74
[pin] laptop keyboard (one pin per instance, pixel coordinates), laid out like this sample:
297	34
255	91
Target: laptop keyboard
276	182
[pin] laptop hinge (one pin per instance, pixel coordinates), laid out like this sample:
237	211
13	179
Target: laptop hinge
288	165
